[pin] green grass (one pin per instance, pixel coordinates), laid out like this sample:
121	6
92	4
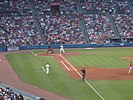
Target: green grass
28	68
114	90
102	58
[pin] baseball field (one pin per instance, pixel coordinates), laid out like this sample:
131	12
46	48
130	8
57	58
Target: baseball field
106	72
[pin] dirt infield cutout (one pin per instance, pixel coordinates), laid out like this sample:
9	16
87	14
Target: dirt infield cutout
92	72
127	57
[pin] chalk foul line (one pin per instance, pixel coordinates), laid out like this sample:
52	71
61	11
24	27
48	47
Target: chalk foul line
85	79
65	66
67	62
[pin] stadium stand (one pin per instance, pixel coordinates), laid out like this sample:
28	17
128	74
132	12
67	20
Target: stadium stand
63	22
98	28
63	28
104	6
10	93
124	24
20	27
110	19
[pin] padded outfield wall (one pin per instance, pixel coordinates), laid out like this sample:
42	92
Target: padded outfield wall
56	46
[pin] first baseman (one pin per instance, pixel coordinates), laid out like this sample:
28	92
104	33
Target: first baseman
83	73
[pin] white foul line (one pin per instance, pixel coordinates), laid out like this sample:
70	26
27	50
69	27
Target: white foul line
65	66
43	69
67	62
94	90
71	66
85	80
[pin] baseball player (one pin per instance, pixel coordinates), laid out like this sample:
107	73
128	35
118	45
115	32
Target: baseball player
50	49
62	49
47	69
83	73
130	68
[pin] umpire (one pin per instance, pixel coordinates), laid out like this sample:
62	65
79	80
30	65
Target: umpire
83	73
50	49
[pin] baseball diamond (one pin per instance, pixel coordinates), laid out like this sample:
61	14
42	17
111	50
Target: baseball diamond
63	67
66	49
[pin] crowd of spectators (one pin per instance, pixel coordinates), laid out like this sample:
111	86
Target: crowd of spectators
16	7
63	28
9	94
124	24
98	28
98	25
104	6
19	29
42	6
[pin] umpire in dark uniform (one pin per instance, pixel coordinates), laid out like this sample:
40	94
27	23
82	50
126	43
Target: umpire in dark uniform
83	73
48	48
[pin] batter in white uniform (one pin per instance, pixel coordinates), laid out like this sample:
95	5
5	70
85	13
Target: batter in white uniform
62	49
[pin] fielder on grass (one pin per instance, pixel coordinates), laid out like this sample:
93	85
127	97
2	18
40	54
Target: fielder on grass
130	68
47	69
